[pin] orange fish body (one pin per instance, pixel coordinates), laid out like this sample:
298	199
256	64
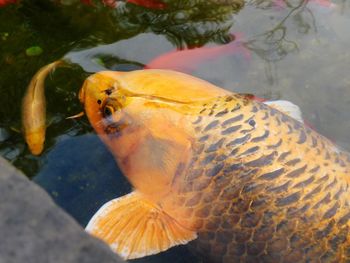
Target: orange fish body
245	181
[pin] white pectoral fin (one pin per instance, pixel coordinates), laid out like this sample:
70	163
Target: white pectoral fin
135	227
287	107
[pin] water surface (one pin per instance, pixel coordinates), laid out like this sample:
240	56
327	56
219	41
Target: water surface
298	51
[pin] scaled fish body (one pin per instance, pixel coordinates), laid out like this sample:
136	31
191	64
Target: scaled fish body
245	181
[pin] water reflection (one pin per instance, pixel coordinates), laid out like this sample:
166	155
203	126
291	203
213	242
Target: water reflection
294	66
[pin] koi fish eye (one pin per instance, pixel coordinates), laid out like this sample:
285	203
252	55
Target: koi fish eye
108	110
109	91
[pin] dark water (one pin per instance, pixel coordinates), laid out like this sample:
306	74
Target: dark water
293	50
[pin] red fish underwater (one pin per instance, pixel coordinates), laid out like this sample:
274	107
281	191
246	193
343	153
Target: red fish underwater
6	2
189	59
151	4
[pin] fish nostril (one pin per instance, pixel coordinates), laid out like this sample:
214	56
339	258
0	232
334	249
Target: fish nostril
108	111
99	101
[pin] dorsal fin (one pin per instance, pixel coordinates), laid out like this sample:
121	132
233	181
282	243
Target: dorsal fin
287	107
134	227
250	96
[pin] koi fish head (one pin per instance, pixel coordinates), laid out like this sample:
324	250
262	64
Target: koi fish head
143	117
35	140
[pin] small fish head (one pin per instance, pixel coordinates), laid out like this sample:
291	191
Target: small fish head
35	140
94	94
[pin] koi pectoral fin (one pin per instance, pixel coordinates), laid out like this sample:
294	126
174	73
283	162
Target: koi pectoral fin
134	227
78	115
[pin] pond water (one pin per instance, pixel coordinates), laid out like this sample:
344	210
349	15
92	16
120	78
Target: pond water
293	50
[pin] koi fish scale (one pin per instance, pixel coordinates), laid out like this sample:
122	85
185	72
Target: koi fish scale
254	195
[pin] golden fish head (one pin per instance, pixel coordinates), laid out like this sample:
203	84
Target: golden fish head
142	116
150	85
35	140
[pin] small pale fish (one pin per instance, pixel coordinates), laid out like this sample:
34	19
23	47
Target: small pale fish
242	180
34	109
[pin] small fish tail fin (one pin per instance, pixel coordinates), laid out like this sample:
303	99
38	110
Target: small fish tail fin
134	227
